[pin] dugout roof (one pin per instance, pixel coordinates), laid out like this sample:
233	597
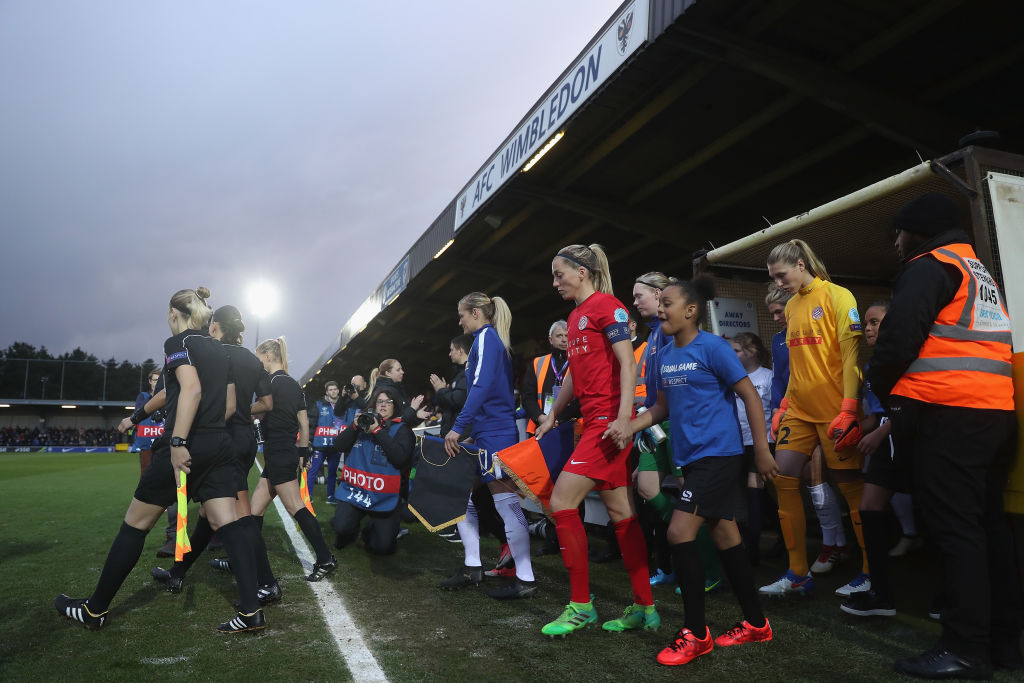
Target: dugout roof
731	115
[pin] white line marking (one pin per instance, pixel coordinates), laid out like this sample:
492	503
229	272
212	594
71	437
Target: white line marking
358	658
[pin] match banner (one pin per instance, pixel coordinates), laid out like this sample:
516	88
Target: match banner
534	465
440	491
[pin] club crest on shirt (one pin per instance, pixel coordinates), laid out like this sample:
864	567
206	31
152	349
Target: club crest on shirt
817	312
854	316
621	316
583	322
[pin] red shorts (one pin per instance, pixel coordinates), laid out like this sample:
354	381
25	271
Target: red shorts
600	459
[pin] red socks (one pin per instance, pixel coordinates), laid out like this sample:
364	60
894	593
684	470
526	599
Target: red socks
634	556
573	541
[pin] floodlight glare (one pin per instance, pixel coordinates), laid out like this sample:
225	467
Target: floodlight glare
262	299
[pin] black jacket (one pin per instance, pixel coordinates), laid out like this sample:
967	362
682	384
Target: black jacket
923	287
450	399
405	411
344	402
398	449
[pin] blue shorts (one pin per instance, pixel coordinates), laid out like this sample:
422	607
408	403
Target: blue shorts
489	444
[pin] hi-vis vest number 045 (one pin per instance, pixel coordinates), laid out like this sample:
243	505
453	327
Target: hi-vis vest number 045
965	361
369	481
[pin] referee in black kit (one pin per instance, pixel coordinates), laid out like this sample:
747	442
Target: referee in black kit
197	379
282	458
251	379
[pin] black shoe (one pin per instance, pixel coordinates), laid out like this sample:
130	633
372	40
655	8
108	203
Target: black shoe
269	593
244	622
450	534
167	549
547	549
868	604
467	576
76	609
1006	654
606	556
322	570
941	663
221	563
166	577
517	589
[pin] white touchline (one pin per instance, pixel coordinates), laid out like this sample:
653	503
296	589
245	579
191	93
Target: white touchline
360	661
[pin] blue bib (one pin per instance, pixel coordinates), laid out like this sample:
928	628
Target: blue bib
369	481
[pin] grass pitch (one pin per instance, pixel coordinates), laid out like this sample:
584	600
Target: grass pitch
59	513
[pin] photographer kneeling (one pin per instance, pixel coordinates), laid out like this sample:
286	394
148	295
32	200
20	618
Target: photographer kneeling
381	445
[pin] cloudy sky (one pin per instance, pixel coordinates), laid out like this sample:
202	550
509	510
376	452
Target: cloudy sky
147	147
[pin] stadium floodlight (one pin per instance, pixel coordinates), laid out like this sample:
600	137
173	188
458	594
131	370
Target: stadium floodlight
262	302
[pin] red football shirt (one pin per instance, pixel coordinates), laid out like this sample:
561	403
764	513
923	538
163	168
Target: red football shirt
596	324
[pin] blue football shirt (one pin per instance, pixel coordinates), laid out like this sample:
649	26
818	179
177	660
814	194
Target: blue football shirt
697	381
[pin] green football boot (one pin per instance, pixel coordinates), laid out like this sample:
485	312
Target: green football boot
576	616
635	616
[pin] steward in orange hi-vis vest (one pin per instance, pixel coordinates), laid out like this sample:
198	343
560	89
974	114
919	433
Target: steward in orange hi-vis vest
640	354
965	361
943	366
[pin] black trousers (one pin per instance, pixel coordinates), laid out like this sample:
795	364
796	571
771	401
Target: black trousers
961	460
379	533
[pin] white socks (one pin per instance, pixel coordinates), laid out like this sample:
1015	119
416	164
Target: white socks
903	507
469	532
829	515
516	531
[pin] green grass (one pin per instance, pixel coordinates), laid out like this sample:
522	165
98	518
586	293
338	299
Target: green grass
60	512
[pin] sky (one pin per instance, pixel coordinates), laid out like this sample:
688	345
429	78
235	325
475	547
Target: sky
147	147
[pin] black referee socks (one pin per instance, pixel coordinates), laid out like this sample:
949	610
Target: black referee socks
254	534
124	554
241	556
198	539
311	530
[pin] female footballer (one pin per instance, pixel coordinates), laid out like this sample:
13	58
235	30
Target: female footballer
490	411
821	405
602	375
699	377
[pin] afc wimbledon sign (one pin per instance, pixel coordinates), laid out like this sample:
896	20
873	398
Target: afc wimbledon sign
610	51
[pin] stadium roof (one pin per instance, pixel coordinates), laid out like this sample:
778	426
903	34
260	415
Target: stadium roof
723	116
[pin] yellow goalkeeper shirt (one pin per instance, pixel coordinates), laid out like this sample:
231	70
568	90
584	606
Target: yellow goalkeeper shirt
819	319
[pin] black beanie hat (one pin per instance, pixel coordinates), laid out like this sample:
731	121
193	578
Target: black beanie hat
930	214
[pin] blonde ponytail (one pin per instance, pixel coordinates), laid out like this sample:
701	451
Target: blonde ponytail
386	366
495	311
797	250
277	349
191	303
594	260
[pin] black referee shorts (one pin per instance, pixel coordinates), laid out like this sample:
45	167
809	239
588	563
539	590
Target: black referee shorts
214	470
243	440
280	462
711	487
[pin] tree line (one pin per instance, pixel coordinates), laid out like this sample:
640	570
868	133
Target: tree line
30	373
